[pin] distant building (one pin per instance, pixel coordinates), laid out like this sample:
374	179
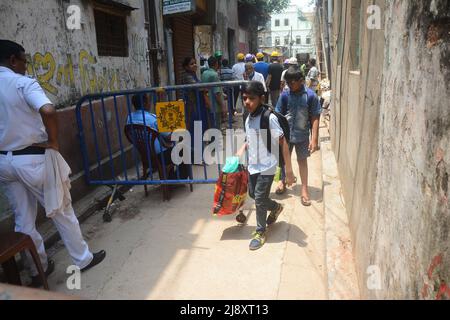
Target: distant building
290	32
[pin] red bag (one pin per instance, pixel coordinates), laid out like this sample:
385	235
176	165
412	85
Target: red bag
231	192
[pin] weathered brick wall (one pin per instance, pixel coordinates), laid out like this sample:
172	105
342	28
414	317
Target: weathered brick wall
411	228
391	137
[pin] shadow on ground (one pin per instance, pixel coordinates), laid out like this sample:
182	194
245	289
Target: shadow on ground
315	194
277	233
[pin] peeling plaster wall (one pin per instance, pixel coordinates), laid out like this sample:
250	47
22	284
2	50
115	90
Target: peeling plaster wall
212	38
391	136
411	228
354	126
227	18
66	62
162	59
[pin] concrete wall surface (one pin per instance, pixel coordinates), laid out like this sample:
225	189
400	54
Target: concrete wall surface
391	137
227	18
410	234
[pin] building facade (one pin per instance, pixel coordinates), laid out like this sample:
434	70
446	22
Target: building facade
200	29
290	32
106	51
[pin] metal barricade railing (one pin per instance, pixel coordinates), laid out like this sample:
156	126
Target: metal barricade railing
113	156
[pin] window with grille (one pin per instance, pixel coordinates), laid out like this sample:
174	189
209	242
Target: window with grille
356	31
298	40
286	40
277	23
286	22
308	40
277	41
111	31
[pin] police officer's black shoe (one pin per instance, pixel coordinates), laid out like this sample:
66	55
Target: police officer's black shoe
36	281
98	257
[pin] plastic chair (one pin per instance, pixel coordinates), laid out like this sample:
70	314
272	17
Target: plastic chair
142	136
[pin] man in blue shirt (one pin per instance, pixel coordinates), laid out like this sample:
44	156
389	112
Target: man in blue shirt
302	109
141	103
261	66
226	73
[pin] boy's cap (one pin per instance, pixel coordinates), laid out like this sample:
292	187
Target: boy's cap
293	61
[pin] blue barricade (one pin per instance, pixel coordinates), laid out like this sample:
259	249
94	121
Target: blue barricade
113	142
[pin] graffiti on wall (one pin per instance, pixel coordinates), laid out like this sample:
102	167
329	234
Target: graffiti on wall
434	286
203	41
94	81
53	74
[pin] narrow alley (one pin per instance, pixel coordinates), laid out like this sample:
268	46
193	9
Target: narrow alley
178	250
124	123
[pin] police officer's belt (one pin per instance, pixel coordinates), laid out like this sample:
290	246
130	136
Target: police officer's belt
27	151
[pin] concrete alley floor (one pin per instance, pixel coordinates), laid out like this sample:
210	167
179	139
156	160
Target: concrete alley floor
178	250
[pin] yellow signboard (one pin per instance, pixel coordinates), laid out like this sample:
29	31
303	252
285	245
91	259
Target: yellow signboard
171	116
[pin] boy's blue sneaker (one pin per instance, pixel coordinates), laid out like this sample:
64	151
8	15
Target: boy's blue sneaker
259	238
273	216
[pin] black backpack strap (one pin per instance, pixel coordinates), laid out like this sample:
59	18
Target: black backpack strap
265	125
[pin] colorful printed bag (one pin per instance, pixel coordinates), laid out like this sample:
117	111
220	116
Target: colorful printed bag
231	192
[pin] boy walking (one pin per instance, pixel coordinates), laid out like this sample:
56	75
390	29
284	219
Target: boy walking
262	163
302	109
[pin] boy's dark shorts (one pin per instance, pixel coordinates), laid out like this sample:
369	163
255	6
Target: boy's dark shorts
301	149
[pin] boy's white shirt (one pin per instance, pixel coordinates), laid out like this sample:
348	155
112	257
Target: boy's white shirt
259	158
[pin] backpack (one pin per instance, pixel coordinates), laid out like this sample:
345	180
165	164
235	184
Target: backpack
265	125
284	124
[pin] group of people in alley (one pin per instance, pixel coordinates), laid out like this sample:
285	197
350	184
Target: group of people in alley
300	107
293	97
275	97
